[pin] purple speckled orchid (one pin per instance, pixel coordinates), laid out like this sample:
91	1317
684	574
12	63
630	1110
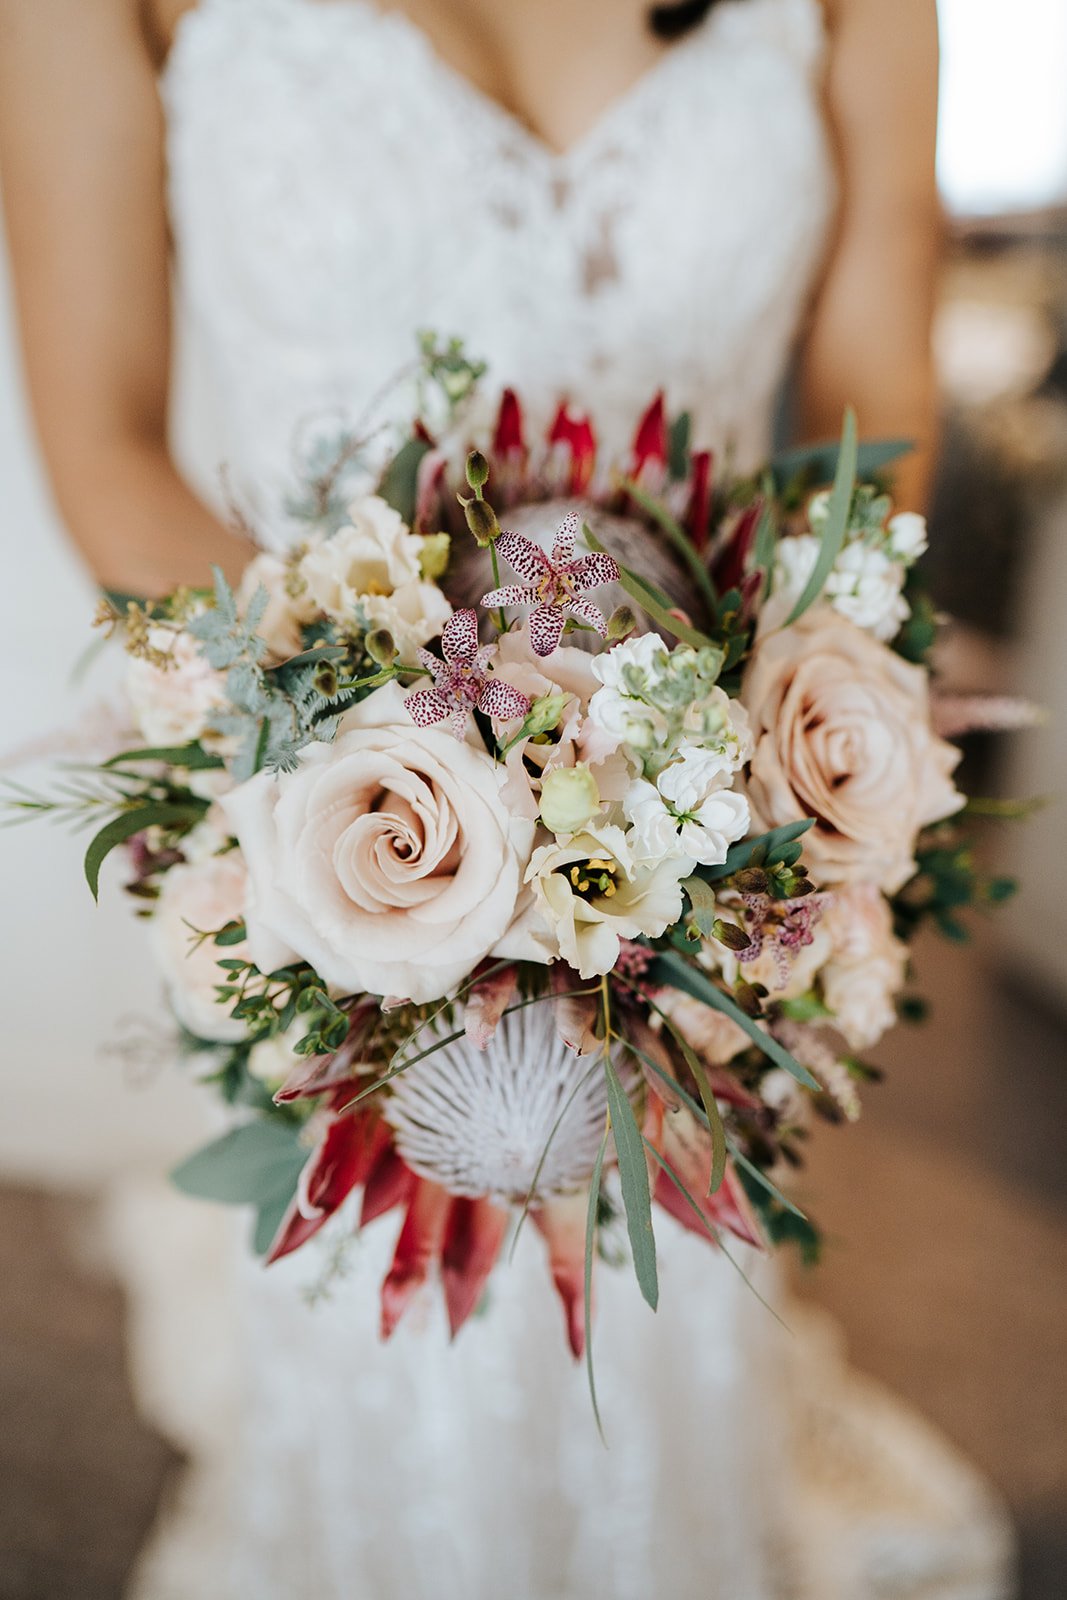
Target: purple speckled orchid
462	682
555	584
785	926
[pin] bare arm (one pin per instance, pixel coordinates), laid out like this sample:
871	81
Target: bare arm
869	344
81	154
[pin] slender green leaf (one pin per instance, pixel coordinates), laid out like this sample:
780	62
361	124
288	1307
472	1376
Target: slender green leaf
654	601
678	446
633	1176
678	538
703	903
836	519
673	969
590	1246
712	1114
698	1111
164	814
190	756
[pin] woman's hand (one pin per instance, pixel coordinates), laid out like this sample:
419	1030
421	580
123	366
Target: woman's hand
869	343
81	157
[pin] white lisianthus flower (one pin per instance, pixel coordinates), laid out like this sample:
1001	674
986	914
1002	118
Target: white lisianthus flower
592	891
173	704
689	810
371	567
907	536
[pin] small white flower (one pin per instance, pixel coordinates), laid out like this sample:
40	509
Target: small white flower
907	536
688	811
865	586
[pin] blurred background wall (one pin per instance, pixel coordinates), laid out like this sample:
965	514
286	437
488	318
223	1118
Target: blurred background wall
949	1279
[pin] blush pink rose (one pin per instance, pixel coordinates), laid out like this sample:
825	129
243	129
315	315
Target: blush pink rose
843	734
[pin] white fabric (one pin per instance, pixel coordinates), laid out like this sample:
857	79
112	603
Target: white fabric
335	187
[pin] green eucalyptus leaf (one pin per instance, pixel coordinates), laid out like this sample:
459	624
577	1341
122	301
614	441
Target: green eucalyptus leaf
590	1246
674	970
398	485
836	519
255	1164
633	1176
815	463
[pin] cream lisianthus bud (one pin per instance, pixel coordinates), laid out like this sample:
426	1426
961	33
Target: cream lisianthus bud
570	799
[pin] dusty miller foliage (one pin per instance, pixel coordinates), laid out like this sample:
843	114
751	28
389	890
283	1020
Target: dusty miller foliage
273	713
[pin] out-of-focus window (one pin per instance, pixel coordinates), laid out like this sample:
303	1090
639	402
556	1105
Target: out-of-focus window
1003	135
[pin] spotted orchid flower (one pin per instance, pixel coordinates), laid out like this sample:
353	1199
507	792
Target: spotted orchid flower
462	682
555	583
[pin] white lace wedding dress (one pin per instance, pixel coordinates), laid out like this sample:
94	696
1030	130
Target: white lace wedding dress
336	186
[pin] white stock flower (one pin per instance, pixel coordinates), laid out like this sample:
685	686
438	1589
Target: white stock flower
630	672
907	536
592	891
864	584
689	810
173	704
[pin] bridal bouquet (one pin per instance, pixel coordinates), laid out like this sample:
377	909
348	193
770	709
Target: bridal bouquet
540	837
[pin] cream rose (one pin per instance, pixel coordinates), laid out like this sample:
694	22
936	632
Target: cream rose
202	894
388	859
843	734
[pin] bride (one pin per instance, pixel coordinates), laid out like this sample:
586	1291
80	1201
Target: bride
595	197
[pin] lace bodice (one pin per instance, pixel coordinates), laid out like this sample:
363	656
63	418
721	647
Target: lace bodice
336	186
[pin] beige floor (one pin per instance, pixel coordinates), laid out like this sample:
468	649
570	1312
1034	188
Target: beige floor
946	1209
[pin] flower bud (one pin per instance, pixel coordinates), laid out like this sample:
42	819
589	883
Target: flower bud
749	880
325	679
477	470
544	714
747	997
729	934
433	557
481	520
621	622
381	647
569	799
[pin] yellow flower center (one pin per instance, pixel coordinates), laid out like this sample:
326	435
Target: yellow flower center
594	878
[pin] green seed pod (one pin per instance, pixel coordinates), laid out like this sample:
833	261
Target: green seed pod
621	622
381	647
477	470
481	520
